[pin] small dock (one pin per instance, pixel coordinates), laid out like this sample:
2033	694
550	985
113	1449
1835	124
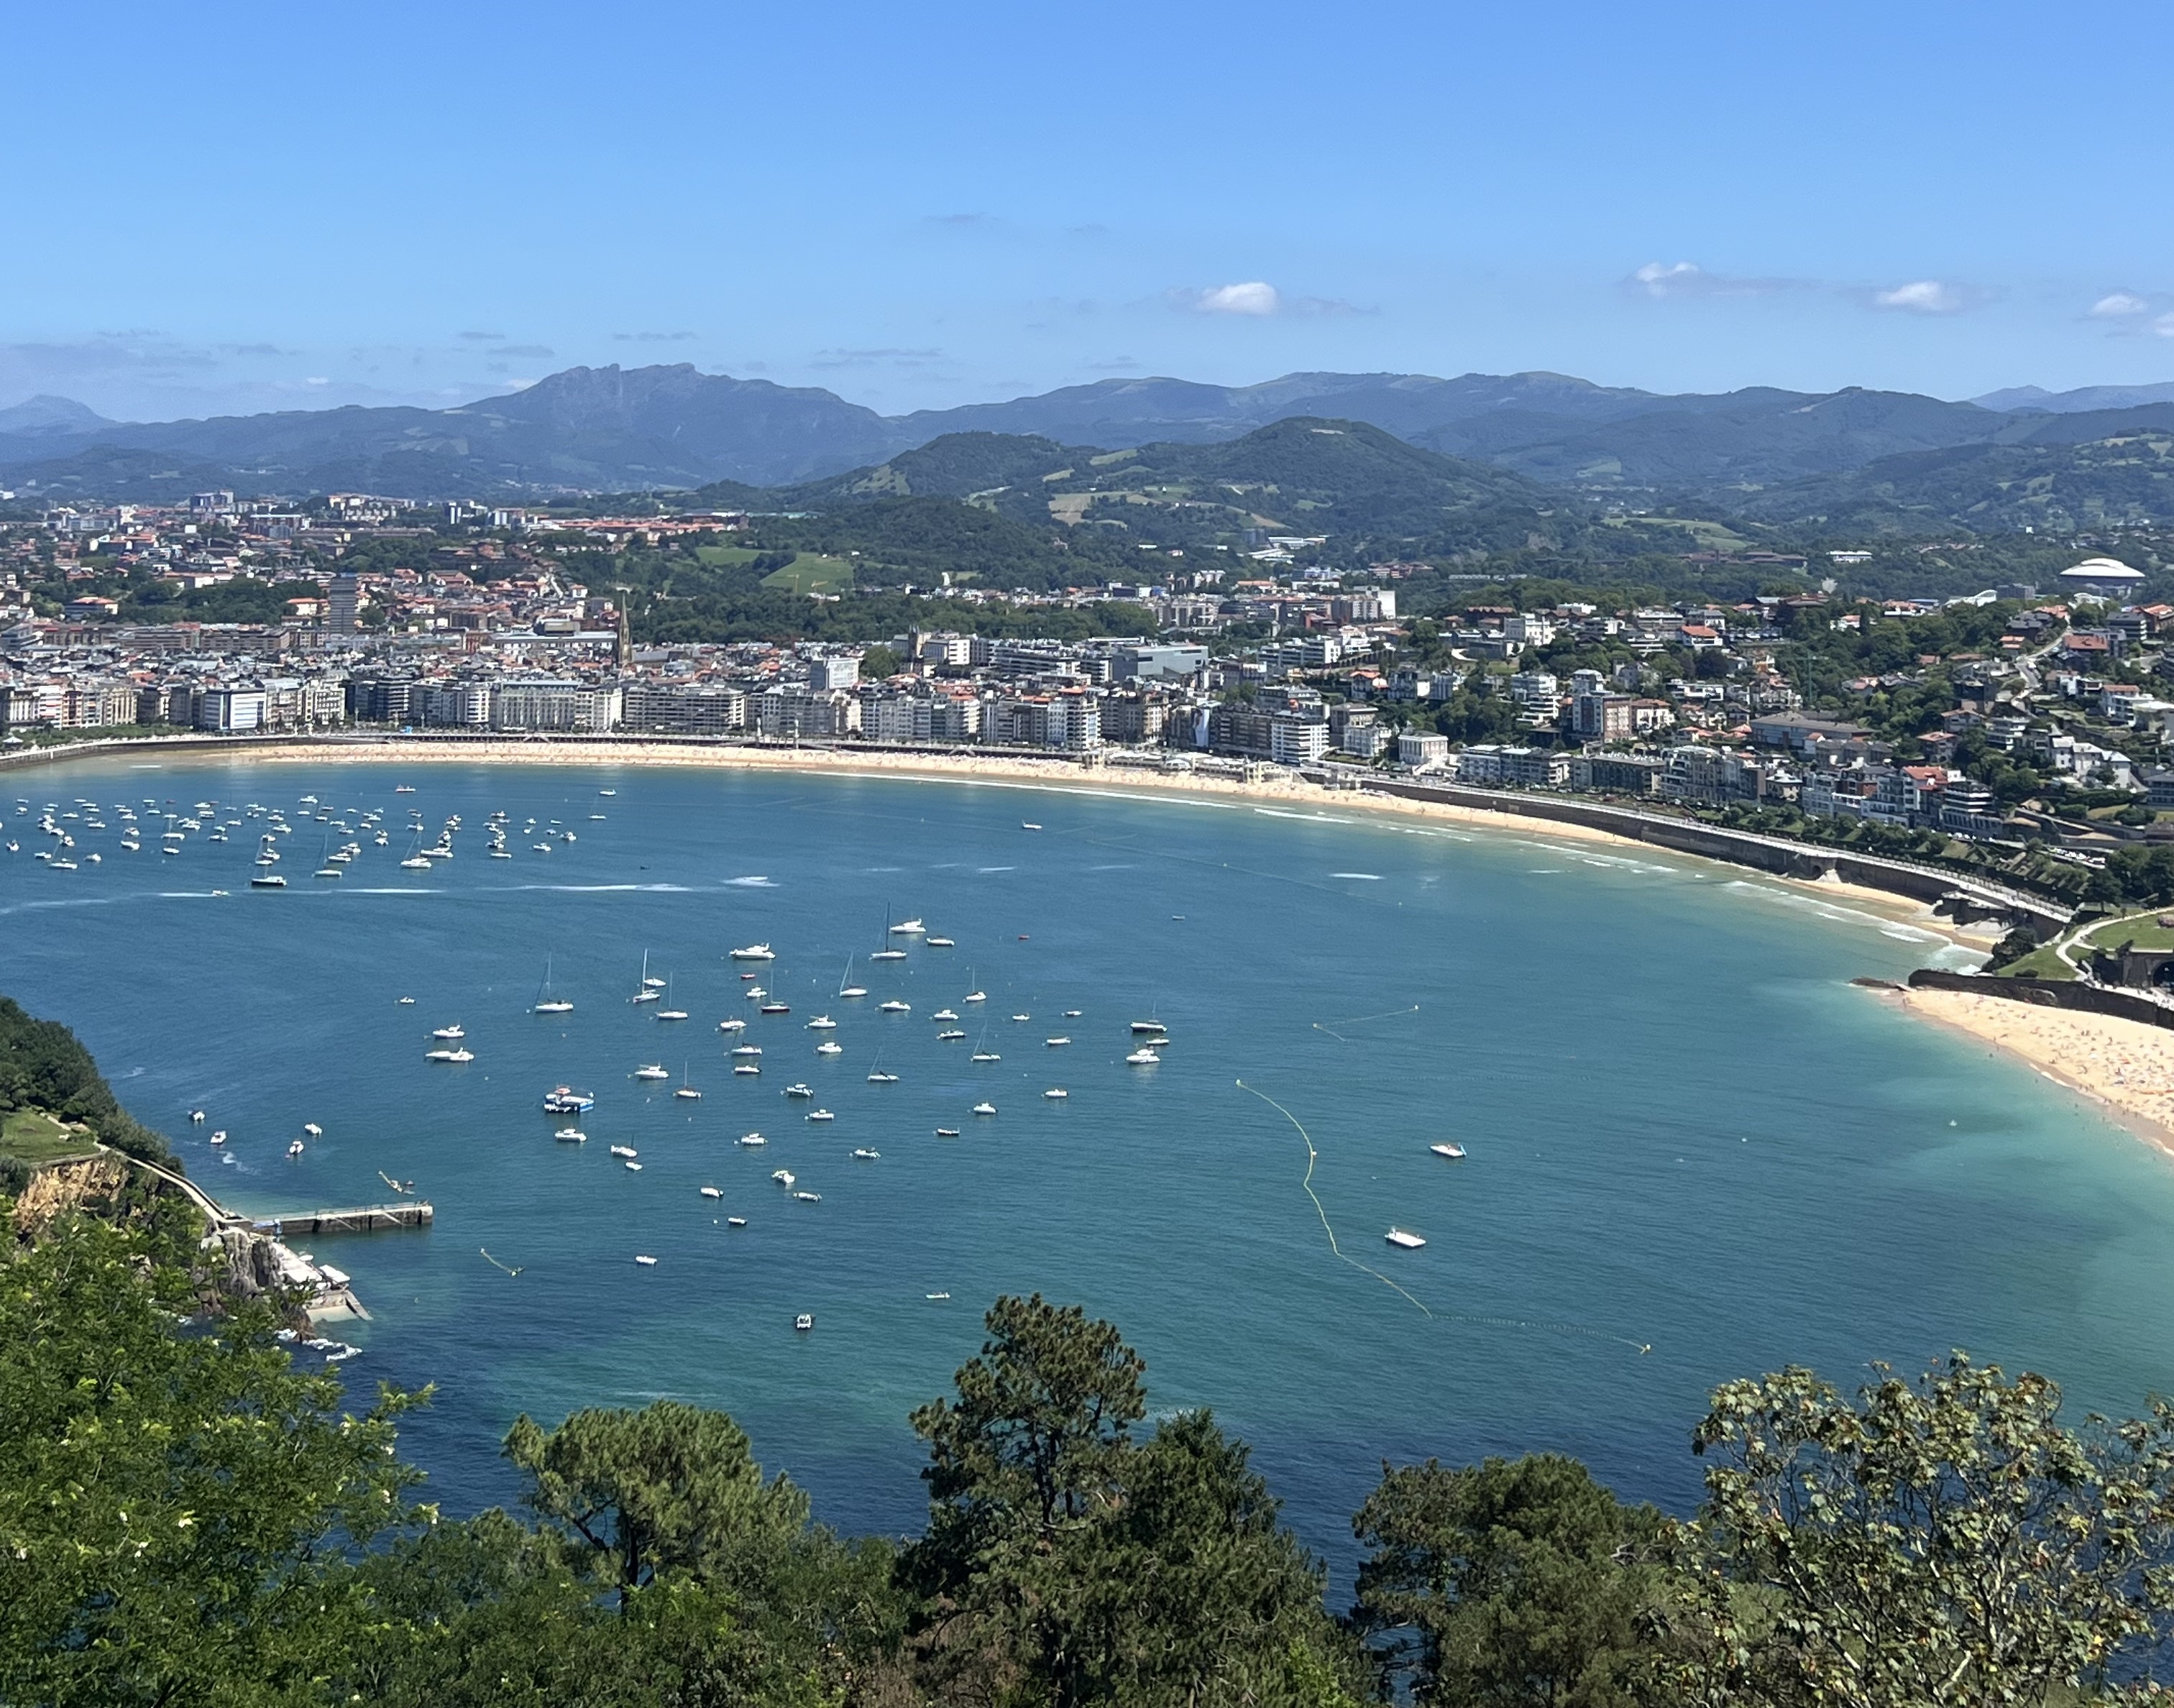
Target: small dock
368	1220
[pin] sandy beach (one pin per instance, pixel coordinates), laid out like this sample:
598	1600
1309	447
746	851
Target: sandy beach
2125	1065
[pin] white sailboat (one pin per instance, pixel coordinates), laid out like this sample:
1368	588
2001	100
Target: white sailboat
646	991
669	1012
846	987
548	1001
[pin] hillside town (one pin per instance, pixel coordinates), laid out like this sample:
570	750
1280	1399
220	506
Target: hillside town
2044	724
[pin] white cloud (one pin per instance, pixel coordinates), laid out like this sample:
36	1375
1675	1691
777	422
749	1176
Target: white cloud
1657	278
1926	296
2120	305
1687	278
2164	326
1255	297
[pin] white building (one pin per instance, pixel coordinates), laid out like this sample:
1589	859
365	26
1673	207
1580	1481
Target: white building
1419	750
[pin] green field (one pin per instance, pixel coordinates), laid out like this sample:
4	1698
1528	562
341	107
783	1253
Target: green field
33	1137
2142	929
810	574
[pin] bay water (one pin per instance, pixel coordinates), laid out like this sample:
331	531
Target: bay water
1695	1150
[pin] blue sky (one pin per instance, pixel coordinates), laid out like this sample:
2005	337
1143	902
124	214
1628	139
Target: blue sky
226	206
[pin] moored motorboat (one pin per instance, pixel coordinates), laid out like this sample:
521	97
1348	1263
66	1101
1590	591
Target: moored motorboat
1409	1243
985	1109
1455	1153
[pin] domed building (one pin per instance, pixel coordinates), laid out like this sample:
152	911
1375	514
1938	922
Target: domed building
2108	576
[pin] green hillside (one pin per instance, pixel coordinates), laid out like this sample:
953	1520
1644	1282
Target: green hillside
1989	489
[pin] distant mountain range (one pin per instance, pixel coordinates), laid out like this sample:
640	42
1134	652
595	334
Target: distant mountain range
591	429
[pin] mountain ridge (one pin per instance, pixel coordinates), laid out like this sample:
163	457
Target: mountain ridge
672	427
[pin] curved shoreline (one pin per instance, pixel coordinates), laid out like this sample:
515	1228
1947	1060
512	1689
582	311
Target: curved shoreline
2124	1067
1273	788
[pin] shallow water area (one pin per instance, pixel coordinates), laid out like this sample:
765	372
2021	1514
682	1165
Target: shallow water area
1695	1151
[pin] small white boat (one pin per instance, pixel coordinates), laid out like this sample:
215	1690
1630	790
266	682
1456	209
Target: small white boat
746	1067
449	1033
753	1139
407	1002
653	1070
821	1114
1028	824
295	1148
747	1049
752	951
736	1221
625	1150
607	793
950	1036
1409	1243
985	1109
1142	1058
688	1092
799	1091
1455	1153
1055	1043
711	1192
1074	1014
774	1008
1057	1094
735	1024
942	942
414	863
829	1048
548	1001
895	1006
570	1135
311	1128
459	1054
803	1322
936	1295
853	991
1144	1027
270	880
631	1167
822	1023
647	994
1022	1017
809	1197
909	927
944	1014
986	1056
881	1078
888	954
947	1132
783	1176
975	997
645	1260
864	1154
665	1014
219	1138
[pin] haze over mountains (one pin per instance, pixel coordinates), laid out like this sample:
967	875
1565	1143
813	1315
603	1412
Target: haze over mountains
589	429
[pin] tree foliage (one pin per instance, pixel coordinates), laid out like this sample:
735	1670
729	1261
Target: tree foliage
1942	1541
1510	1582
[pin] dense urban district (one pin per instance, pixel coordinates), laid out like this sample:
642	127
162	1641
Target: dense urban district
2009	720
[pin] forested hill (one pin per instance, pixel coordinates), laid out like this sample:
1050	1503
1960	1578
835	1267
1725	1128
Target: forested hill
44	1069
1301	476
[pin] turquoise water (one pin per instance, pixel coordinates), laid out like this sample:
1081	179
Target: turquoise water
1687	1131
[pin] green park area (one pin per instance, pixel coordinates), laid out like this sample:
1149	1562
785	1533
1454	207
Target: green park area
32	1136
